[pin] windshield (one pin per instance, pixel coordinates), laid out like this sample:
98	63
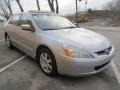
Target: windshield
52	22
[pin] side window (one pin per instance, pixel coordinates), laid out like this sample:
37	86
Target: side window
25	19
15	20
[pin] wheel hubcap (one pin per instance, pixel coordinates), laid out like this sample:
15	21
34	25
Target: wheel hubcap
46	62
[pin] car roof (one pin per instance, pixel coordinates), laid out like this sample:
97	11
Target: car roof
40	12
34	12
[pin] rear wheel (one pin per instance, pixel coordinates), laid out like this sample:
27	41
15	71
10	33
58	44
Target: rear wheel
47	62
8	42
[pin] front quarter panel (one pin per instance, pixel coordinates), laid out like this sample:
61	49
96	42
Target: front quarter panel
52	43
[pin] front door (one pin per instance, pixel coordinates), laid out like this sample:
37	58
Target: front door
25	38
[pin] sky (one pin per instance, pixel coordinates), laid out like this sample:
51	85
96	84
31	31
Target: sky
65	6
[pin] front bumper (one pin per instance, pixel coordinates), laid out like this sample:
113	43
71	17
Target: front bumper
83	66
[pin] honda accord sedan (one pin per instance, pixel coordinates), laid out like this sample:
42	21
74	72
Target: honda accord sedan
58	45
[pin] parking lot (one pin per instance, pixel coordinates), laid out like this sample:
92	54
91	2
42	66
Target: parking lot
26	74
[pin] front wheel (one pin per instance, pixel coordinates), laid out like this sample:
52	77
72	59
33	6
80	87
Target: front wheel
47	62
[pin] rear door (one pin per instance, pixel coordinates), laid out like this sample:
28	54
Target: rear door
13	26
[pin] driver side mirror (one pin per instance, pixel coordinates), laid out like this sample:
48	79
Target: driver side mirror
27	27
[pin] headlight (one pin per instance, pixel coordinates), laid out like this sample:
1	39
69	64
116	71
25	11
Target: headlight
72	51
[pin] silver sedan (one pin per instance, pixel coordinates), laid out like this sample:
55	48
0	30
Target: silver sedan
58	45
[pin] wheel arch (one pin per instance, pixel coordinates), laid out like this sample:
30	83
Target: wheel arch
43	46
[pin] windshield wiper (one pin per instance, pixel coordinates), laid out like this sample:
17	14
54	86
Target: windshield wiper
68	27
59	28
50	29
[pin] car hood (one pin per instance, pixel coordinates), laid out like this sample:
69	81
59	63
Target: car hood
82	38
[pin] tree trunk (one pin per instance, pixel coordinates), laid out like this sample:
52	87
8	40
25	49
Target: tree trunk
51	5
21	8
57	6
37	1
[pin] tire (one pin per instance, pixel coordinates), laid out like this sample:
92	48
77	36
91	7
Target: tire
47	62
8	42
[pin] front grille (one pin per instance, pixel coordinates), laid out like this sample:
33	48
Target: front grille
105	51
101	66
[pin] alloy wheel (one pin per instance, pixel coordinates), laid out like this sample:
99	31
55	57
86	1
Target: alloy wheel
46	62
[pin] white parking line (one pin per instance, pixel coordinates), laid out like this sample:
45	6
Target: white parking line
11	64
117	74
2	40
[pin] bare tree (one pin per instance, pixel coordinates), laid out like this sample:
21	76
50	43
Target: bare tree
51	5
109	6
114	11
114	8
21	8
57	6
118	6
9	6
38	5
5	9
4	13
